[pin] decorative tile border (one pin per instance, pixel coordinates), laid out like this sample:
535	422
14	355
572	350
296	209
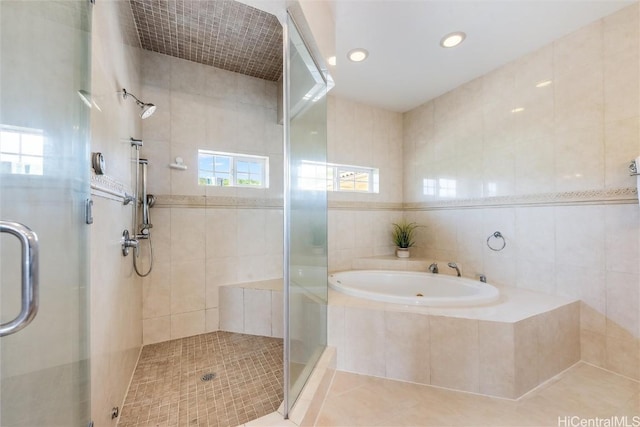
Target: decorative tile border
590	197
365	206
168	201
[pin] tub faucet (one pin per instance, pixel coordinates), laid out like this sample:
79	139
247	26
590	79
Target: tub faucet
455	266
433	268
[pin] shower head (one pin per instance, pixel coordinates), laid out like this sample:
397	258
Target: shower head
146	109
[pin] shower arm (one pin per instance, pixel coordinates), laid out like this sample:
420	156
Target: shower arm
124	96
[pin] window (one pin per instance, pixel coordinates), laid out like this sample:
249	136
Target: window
232	169
441	187
21	150
335	177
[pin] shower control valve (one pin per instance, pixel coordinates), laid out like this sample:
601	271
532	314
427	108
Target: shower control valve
127	243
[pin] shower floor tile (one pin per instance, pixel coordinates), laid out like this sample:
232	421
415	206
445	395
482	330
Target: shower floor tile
167	388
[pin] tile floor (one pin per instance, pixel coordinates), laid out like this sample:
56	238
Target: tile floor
167	389
583	391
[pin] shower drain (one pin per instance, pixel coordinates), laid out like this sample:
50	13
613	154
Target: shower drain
208	377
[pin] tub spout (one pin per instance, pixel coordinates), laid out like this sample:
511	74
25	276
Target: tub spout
455	266
433	268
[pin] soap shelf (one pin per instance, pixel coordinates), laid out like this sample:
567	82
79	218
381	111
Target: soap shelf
178	164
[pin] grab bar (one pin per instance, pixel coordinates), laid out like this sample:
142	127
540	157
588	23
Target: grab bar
30	276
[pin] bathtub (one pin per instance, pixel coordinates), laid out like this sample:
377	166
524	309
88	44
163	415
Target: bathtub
413	288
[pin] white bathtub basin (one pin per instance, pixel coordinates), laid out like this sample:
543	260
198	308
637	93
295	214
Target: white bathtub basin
413	288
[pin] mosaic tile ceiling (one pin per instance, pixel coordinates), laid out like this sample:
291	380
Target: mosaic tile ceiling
222	33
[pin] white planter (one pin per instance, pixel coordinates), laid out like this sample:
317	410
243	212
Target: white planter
402	252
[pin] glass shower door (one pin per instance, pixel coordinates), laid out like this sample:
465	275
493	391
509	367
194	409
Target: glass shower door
306	211
44	183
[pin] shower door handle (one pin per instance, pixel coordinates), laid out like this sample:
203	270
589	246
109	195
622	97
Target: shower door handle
30	276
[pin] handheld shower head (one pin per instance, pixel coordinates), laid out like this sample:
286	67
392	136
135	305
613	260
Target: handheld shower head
146	109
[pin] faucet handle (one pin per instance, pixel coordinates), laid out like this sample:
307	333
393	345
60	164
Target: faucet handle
433	268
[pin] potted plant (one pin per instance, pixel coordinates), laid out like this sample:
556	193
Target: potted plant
403	237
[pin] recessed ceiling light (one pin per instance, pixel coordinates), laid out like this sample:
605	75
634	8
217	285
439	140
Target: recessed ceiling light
453	39
517	110
543	83
332	60
358	55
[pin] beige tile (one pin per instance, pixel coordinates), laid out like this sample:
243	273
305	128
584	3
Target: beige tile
592	319
499	173
580	48
187	324
593	347
167	388
621	86
623	355
156	292
250	235
156	330
277	314
558	340
526	357
219	271
580	235
231	309
212	320
579	155
257	312
187	234
496	342
187	286
584	283
622	238
534	166
535	232
407	347
454	353
623	303
336	332
620	30
622	144
220	233
364	341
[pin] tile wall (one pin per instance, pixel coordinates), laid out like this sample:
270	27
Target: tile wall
573	141
116	291
359	224
205	237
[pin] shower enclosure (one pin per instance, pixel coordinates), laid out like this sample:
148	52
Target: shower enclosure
44	185
305	272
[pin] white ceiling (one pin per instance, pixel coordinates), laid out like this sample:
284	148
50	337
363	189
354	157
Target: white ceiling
406	65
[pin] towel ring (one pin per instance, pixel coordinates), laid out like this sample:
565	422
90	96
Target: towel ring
497	235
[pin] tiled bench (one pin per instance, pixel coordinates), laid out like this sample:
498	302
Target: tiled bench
253	308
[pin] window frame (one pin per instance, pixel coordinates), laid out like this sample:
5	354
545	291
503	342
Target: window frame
333	177
263	161
22	132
